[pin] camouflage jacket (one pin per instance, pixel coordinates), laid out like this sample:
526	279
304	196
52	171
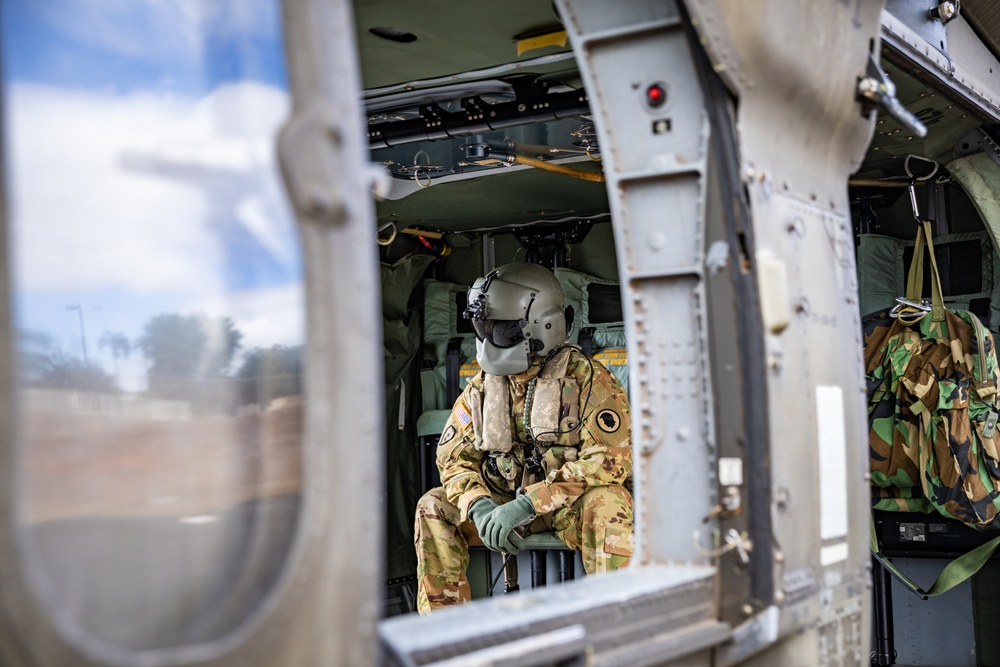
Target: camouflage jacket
598	453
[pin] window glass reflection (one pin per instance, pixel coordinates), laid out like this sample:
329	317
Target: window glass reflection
159	312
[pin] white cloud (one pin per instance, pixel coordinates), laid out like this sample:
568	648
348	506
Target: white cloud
114	190
139	195
265	317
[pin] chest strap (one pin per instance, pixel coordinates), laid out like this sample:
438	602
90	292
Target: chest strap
555	405
492	424
551	410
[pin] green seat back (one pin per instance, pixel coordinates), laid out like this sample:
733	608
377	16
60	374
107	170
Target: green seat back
596	304
881	270
443	303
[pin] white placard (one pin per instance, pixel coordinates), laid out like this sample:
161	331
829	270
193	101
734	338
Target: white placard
832	443
730	471
833	553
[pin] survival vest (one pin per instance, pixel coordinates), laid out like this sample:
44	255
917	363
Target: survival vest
551	415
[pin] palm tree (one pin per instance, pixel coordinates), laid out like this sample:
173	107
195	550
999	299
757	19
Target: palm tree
119	345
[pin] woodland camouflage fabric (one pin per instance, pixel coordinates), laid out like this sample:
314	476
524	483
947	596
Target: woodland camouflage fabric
928	402
579	491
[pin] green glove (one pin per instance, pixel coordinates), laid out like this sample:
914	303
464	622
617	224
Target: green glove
480	510
497	531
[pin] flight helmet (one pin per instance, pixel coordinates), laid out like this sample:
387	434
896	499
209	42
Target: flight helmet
517	311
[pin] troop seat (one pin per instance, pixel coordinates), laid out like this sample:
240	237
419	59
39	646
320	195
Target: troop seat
598	325
543	541
429	427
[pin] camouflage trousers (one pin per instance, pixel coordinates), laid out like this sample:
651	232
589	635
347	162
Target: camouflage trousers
599	525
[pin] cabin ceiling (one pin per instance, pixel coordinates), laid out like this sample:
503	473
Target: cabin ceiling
436	43
409	46
447	37
946	121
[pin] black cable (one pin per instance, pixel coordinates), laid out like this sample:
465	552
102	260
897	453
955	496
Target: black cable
496	579
590	391
503	567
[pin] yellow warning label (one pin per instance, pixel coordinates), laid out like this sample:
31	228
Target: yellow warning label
555	38
616	356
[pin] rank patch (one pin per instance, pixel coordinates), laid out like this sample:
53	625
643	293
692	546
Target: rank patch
608	421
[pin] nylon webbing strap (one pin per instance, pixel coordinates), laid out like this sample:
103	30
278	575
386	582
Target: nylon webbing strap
586	340
937	295
451	367
953	573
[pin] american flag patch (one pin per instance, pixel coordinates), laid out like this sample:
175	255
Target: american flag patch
462	414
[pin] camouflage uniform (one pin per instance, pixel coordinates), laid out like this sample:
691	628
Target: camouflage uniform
579	492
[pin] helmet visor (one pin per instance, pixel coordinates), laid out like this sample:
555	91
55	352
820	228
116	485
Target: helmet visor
502	333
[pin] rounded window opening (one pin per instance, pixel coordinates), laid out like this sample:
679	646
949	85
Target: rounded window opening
159	318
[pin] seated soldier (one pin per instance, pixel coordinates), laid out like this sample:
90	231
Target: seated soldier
538	441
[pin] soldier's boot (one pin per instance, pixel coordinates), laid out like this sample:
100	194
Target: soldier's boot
599	525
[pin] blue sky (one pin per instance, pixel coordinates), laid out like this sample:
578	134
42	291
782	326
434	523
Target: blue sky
189	46
140	140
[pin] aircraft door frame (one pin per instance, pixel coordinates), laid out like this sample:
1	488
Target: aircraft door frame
324	606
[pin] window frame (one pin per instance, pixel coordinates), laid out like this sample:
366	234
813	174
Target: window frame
323	608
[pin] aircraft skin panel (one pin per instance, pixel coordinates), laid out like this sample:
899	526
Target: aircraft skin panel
802	133
658	177
728	134
322	606
334	604
964	71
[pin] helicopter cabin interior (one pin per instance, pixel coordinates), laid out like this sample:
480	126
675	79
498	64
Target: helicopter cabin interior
490	156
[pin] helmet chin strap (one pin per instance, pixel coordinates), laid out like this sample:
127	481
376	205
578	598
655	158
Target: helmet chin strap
503	361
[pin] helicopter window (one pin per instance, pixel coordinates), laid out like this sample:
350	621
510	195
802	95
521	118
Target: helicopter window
965	272
463	325
158	309
604	303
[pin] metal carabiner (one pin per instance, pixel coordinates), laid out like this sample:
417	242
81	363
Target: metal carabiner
913	202
741	543
902	302
906	167
914	179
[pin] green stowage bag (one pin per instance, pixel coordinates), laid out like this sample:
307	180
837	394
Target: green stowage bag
932	380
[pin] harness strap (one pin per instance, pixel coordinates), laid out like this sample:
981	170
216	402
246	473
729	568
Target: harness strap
586	340
953	573
451	368
554	398
496	431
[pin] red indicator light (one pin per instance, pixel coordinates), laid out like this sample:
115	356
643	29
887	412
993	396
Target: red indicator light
656	95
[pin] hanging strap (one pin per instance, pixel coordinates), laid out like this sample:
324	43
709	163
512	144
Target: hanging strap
937	295
451	370
953	573
586	340
915	277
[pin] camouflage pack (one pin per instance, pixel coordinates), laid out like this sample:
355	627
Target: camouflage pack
932	380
